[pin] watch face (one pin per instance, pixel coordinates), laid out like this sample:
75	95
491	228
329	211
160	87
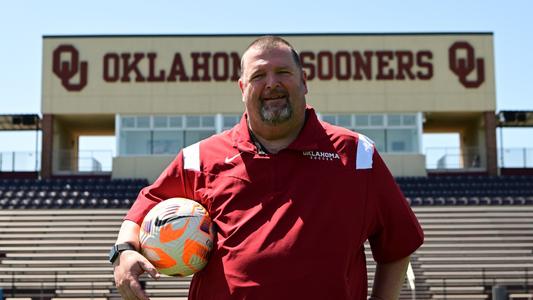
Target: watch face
116	249
113	254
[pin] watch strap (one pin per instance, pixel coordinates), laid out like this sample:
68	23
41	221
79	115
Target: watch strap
117	249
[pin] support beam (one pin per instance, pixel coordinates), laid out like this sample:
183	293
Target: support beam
490	143
47	145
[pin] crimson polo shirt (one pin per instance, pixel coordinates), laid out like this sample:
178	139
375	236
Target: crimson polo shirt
289	225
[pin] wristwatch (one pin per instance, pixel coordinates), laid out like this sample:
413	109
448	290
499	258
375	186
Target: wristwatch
116	249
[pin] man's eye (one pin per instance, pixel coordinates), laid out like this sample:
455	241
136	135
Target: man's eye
257	76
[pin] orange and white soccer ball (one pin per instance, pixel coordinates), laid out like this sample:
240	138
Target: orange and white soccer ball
177	236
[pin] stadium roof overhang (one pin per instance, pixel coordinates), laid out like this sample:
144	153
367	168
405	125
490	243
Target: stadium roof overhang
20	122
515	118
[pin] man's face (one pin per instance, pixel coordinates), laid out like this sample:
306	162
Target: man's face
273	87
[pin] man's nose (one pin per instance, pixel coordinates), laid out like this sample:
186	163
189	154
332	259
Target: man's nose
272	80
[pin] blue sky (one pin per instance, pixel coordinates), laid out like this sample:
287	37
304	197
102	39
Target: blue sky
23	23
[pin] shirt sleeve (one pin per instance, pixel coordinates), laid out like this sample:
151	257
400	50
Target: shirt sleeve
396	232
171	183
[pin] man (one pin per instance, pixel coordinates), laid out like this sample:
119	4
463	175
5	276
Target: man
293	199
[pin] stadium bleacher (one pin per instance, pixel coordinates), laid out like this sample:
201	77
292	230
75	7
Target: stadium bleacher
55	234
68	193
468	190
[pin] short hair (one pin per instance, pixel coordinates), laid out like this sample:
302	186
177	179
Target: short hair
268	42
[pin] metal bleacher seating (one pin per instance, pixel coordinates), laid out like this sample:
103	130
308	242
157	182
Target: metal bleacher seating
68	193
468	190
55	234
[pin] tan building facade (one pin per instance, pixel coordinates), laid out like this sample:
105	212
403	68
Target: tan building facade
392	87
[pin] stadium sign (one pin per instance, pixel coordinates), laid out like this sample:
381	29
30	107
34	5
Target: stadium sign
224	66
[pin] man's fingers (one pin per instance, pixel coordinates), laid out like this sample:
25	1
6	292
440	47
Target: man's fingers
127	294
131	265
149	268
129	290
137	290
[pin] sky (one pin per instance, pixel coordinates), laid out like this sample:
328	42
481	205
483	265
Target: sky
23	23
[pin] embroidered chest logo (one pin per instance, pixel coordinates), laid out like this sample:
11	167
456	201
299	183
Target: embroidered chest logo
230	159
320	155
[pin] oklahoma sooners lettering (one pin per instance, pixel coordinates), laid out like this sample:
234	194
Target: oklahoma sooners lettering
220	66
125	67
368	65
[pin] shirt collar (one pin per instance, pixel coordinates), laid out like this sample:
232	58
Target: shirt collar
308	139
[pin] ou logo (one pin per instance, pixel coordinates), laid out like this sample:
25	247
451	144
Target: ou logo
466	64
66	69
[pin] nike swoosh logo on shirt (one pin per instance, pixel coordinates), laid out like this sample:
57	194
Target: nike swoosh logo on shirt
230	159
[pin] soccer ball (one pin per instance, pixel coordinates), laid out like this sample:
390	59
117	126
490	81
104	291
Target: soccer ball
177	236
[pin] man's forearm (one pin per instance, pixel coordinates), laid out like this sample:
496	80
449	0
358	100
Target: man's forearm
129	232
389	279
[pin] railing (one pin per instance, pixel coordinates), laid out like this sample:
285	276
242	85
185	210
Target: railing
453	158
515	158
101	160
470	158
20	161
90	161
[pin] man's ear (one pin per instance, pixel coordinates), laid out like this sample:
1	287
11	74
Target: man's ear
304	80
241	85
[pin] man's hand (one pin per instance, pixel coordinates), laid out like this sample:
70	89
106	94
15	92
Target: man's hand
127	269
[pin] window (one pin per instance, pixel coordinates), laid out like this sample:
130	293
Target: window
394	133
402	140
207	121
161	122
175	122
143	122
167	142
344	121
192	121
376	135
409	120
394	120
128	122
193	136
165	135
376	120
230	121
134	142
330	119
362	120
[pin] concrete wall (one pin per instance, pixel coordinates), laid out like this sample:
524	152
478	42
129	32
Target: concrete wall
150	167
406	164
65	149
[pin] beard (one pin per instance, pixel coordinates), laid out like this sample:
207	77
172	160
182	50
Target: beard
275	114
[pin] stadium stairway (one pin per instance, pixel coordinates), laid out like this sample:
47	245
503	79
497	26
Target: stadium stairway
469	249
60	252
